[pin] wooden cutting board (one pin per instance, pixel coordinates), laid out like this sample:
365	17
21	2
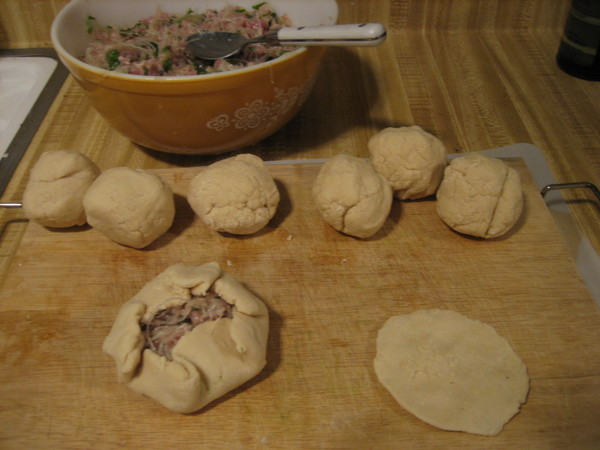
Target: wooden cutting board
328	295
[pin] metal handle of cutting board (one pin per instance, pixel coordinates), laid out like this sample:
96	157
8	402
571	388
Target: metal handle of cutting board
576	185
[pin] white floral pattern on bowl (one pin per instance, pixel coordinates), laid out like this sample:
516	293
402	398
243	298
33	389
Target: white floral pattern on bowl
256	112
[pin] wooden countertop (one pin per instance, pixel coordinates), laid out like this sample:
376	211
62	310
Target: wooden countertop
479	74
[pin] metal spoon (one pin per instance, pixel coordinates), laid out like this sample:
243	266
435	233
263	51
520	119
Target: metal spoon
216	45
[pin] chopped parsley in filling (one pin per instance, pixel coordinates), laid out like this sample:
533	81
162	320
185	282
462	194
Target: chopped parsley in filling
169	325
155	46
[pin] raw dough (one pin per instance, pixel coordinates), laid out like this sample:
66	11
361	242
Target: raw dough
209	361
54	193
452	372
480	196
130	206
411	159
351	196
237	195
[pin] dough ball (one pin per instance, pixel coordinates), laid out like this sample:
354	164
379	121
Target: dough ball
130	206
189	336
351	196
411	159
54	193
452	372
480	196
236	195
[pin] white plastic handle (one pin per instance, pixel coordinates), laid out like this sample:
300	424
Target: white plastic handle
360	34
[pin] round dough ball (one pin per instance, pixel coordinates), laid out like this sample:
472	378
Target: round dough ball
236	195
351	196
450	371
213	355
480	196
54	193
130	206
411	159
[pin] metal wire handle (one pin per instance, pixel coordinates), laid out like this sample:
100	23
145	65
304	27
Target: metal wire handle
581	184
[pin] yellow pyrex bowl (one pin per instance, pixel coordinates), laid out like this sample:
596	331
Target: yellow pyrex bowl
202	114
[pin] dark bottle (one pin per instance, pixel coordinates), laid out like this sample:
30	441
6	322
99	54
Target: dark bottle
578	53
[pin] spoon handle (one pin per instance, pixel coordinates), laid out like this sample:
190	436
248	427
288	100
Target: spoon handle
360	34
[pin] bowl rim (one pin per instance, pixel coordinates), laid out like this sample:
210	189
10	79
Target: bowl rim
73	60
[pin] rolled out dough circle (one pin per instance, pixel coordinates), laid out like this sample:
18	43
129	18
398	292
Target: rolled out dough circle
450	371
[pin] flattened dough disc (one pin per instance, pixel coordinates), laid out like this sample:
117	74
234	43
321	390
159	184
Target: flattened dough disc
452	372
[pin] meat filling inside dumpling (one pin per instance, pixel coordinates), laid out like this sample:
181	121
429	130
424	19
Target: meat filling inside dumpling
169	325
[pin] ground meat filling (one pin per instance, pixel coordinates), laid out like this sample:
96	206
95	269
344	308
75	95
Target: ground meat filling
155	45
169	325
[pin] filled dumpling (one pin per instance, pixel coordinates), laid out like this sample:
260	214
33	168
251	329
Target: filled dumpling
189	336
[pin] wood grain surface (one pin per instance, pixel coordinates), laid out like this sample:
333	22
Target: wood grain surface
479	74
328	294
